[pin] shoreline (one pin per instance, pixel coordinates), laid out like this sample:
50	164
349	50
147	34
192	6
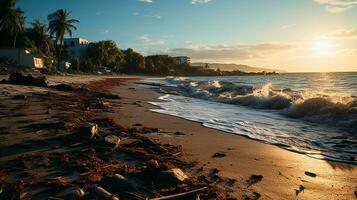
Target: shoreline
289	165
33	139
257	140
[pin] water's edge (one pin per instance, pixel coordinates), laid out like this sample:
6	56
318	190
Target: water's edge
316	140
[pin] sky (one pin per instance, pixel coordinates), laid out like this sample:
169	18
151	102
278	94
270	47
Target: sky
291	35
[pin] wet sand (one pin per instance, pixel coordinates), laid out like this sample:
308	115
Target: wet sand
283	171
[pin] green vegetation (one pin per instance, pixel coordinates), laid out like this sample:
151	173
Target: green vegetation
47	41
59	26
105	53
37	40
12	21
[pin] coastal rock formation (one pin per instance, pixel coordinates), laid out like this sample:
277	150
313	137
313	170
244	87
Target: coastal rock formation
112	140
117	183
171	177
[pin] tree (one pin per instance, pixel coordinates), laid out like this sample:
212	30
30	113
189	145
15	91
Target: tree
159	64
149	65
12	19
134	61
38	39
105	53
59	26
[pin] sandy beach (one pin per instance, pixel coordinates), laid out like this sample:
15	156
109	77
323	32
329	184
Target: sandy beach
238	167
283	171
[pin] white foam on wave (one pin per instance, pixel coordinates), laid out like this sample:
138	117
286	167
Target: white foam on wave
270	127
308	104
318	122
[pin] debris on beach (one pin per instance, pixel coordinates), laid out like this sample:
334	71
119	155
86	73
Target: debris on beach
231	182
179	133
253	196
83	152
20	97
112	140
12	190
254	179
219	155
97	192
71	193
149	130
170	177
18	78
311	174
89	130
213	175
117	182
281	174
105	95
298	191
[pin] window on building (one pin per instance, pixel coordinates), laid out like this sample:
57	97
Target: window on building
72	44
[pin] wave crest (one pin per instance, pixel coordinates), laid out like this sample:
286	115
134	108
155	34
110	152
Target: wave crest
313	106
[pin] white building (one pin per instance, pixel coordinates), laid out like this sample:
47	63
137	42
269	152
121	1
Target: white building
76	47
22	57
182	59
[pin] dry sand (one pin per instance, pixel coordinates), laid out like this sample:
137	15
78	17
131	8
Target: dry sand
283	171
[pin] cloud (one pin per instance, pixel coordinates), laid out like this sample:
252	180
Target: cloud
146	1
348	51
342	34
337	6
148	41
200	1
233	52
287	26
144	38
106	31
150	15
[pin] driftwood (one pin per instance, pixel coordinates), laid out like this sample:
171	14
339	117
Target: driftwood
101	193
180	194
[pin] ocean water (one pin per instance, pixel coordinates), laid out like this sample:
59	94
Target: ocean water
310	113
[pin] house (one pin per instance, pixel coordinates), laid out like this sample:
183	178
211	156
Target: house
76	47
22	57
182	60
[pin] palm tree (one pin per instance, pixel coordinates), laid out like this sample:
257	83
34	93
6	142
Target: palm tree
39	37
59	26
12	19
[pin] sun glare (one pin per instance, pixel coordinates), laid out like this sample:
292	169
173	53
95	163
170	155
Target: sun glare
324	48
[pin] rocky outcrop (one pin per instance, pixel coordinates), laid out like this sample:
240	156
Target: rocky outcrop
20	79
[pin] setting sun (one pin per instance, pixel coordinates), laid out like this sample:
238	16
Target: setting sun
324	48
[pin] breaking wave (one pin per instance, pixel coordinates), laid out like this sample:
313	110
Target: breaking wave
335	109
